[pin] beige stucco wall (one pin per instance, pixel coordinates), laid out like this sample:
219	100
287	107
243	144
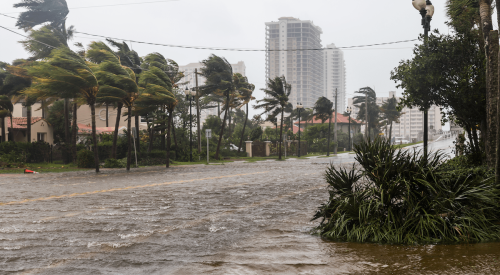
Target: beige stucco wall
84	117
39	127
35	110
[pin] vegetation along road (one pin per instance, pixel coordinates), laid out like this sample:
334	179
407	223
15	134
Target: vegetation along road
237	218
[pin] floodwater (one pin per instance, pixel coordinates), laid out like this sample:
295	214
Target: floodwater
238	218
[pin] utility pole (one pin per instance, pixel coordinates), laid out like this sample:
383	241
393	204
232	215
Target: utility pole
366	116
335	127
198	109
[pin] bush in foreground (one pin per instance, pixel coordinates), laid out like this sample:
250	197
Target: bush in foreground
85	159
400	197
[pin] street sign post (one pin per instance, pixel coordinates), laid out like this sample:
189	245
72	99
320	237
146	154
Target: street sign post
208	135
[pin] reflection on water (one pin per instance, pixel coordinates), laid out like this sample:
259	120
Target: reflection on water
483	258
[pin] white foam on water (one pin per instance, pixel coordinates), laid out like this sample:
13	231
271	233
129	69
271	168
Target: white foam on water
214	229
12	248
135	235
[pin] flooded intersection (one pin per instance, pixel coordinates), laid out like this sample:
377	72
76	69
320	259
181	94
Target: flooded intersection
238	218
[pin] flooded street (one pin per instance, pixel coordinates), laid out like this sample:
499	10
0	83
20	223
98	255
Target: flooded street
238	218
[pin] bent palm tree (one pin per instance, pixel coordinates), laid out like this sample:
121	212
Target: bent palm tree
246	97
323	110
275	101
65	74
390	113
371	118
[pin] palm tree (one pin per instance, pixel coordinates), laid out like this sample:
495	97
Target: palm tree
52	14
220	80
246	97
128	58
390	113
323	109
372	118
65	74
117	83
15	83
275	101
6	109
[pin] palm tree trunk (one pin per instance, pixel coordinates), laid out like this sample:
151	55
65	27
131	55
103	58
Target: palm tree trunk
151	135
3	130
28	123
74	132
107	112
163	126
243	132
329	133
117	124
137	140
168	139
281	132
175	136
390	133
94	137
11	132
129	136
222	130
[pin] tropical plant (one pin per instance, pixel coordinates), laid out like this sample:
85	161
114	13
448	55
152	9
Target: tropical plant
116	83
221	81
368	97
390	113
275	101
403	197
65	74
52	14
246	97
323	109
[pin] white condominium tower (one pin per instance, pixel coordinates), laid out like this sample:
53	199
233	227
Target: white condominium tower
335	76
287	42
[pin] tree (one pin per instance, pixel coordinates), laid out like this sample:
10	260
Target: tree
220	80
390	113
246	97
117	83
128	58
368	94
6	109
15	83
275	101
53	14
63	74
448	71
323	109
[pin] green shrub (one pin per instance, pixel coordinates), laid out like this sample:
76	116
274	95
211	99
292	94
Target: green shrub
114	163
401	197
86	159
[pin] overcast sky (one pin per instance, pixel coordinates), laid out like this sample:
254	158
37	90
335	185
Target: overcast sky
240	24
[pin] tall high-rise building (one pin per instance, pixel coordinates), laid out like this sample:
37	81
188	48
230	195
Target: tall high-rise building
287	44
335	76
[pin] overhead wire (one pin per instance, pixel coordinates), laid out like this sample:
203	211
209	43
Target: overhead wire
231	49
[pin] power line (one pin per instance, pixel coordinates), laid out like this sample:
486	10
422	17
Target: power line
232	49
50	46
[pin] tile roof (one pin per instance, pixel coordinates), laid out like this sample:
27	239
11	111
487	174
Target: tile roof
21	122
340	119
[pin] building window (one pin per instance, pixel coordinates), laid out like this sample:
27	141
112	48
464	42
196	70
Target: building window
41	137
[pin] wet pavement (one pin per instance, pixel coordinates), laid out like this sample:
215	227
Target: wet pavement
238	218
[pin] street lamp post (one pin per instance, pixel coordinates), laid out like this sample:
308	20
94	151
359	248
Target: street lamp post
190	96
299	107
426	10
349	111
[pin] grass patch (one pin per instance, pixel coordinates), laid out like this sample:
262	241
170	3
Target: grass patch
399	146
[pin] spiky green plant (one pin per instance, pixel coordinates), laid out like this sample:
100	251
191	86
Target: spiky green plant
401	197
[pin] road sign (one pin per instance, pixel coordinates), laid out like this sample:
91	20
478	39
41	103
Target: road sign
208	133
